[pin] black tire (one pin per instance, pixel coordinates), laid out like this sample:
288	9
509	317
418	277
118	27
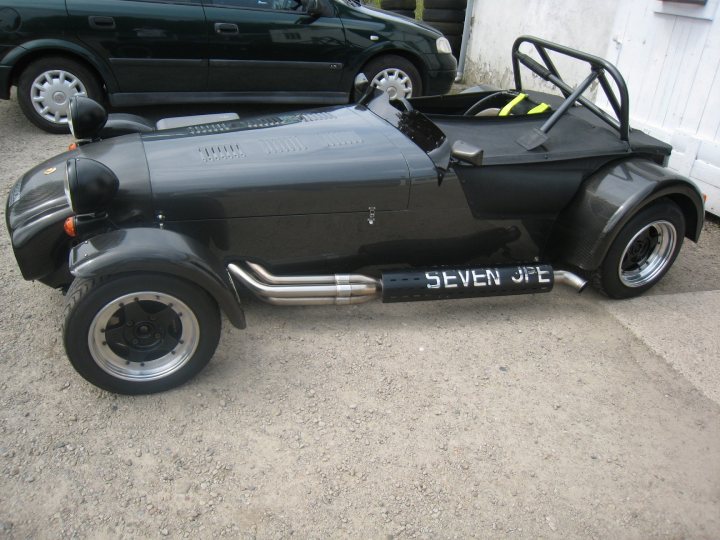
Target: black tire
101	321
391	5
448	29
404	13
621	273
394	62
77	71
445	4
444	15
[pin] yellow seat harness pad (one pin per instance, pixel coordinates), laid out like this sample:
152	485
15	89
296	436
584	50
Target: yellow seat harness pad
505	111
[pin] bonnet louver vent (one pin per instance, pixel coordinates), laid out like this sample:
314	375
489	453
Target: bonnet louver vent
314	117
282	145
220	152
204	129
341	138
269	121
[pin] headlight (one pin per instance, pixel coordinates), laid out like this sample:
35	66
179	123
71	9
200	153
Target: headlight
87	117
89	185
443	46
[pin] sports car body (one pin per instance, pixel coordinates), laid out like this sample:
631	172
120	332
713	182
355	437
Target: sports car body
153	233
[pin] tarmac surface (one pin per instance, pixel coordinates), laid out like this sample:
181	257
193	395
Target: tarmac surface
543	416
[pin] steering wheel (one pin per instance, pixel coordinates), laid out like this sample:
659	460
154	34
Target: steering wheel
479	104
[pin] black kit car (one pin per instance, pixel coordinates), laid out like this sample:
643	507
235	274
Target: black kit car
144	52
157	232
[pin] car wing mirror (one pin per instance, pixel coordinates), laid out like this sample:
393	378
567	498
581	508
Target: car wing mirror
467	153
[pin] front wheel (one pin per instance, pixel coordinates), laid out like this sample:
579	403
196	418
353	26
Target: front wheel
139	333
395	75
643	251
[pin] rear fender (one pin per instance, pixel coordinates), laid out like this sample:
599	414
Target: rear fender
162	252
609	198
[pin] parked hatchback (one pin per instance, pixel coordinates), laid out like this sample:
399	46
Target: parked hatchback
145	52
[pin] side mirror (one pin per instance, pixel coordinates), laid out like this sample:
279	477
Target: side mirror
469	153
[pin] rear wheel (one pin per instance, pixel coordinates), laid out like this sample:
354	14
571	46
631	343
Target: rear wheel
643	251
46	86
139	333
395	75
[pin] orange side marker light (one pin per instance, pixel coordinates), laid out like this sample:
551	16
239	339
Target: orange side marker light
69	227
72	146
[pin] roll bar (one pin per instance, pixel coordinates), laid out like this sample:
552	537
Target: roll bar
599	69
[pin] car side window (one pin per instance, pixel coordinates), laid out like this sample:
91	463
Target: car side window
276	5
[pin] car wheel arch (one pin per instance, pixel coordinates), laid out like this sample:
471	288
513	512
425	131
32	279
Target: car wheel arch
22	57
595	214
158	251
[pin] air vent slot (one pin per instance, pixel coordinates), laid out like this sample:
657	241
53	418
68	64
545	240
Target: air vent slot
282	145
221	152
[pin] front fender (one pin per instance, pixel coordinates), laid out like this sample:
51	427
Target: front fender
38	47
162	252
609	198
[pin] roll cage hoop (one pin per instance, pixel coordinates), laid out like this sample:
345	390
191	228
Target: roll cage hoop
599	69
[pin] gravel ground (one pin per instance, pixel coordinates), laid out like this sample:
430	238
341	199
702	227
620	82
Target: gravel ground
547	416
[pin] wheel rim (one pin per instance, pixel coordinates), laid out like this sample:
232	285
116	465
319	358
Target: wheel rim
50	94
647	254
395	82
143	336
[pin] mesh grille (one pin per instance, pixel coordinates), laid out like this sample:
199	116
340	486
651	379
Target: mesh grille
43	193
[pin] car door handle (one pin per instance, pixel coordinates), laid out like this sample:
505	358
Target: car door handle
102	23
226	28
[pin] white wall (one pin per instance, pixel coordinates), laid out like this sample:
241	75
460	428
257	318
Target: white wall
669	54
581	24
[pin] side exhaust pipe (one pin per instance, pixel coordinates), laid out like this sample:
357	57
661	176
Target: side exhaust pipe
401	285
306	290
570	279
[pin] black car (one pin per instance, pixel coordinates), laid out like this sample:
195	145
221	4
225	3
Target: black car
145	52
154	233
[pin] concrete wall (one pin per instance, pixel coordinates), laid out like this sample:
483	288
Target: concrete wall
582	24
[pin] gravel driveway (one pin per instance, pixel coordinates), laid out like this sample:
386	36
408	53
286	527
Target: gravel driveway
545	416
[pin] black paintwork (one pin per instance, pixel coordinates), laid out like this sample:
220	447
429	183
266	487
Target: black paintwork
348	188
190	51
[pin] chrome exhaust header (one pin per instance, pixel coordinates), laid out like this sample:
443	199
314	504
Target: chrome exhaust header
400	285
340	289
